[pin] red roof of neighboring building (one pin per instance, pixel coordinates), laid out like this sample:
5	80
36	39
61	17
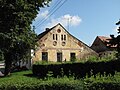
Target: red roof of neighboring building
105	40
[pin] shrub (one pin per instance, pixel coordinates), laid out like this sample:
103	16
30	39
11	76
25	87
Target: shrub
92	59
79	70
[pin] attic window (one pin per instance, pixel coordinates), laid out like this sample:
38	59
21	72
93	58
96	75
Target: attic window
54	43
61	37
58	30
64	37
55	37
63	43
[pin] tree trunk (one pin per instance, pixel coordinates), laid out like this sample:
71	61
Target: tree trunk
8	64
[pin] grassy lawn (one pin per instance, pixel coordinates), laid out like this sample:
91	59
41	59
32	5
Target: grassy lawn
25	81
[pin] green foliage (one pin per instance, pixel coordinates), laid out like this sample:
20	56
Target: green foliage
79	70
108	58
92	59
26	81
73	59
20	81
115	41
45	63
1	56
103	82
16	34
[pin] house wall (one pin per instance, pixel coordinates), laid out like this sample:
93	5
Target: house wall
67	46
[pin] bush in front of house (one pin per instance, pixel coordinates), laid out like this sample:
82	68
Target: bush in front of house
78	70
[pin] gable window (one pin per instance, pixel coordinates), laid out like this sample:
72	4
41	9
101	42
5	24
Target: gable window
61	37
58	30
44	56
56	37
64	37
53	36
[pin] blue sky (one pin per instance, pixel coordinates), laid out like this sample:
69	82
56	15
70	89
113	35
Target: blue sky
86	18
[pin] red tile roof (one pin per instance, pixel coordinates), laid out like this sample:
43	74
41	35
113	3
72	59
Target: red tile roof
105	40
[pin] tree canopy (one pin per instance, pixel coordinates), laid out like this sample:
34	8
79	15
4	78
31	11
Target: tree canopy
116	40
16	34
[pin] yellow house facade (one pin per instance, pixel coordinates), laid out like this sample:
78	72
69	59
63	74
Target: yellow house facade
57	44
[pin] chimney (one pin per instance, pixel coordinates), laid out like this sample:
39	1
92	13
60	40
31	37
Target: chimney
47	29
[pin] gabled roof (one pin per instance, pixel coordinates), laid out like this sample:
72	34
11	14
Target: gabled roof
105	40
48	30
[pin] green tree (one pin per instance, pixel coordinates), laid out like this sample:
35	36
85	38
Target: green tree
1	56
16	34
115	41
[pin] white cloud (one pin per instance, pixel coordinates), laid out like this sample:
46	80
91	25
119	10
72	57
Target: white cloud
64	20
42	15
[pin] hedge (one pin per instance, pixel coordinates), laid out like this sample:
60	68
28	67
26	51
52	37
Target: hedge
79	70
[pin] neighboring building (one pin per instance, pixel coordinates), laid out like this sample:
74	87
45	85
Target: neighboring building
101	46
57	44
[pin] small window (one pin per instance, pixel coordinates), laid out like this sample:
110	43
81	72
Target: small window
63	43
58	30
61	37
55	43
72	56
64	37
44	56
53	36
56	37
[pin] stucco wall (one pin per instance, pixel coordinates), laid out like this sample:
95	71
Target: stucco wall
72	45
